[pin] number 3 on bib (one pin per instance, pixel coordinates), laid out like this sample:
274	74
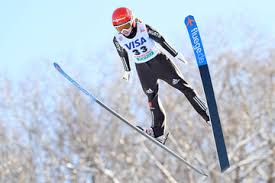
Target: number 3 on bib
143	49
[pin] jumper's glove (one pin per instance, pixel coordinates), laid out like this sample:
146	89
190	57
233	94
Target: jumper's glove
181	58
126	75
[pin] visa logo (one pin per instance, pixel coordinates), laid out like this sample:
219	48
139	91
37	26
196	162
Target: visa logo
136	43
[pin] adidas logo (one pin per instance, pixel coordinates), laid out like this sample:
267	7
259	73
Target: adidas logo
175	81
149	91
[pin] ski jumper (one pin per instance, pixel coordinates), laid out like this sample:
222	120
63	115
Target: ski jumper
152	65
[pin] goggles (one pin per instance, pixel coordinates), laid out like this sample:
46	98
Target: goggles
125	26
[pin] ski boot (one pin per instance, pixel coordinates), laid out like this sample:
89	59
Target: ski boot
149	131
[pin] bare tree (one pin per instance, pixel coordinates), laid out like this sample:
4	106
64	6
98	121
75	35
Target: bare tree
50	132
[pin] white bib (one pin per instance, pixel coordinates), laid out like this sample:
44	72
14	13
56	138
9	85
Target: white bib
140	47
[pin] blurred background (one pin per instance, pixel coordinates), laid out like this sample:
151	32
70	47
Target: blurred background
50	132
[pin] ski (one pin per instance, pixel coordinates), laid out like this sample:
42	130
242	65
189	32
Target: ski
208	90
93	98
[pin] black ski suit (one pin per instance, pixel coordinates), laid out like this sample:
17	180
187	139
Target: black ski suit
160	67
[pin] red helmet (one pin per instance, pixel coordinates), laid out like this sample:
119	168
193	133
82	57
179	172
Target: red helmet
121	15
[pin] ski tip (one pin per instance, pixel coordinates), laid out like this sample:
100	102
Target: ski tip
189	16
56	66
189	21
